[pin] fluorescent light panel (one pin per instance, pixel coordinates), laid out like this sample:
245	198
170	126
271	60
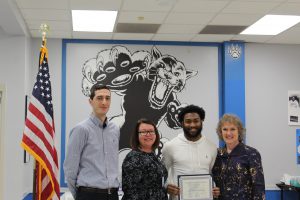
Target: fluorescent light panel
93	20
272	25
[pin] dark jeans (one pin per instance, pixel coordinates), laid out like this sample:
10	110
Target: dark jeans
83	195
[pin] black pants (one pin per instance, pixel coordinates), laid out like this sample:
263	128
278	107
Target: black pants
83	195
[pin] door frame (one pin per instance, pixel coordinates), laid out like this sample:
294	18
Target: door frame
2	130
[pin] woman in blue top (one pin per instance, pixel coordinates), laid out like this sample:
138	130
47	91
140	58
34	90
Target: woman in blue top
143	175
237	170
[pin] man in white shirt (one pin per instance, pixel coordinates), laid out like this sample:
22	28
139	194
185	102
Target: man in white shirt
190	152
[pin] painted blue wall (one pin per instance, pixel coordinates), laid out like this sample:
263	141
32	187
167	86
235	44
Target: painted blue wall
287	195
233	79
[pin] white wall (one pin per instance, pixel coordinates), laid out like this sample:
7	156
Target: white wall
272	70
12	70
28	167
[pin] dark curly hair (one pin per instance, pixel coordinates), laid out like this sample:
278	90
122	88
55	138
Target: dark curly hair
191	109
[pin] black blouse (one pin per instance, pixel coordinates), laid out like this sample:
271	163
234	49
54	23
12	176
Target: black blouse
143	177
239	175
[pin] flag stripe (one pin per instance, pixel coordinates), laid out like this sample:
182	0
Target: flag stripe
38	155
41	108
38	115
40	129
33	131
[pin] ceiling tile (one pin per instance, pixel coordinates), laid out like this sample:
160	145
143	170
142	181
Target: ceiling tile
199	6
235	19
268	1
46	14
43	4
141	17
189	18
148	5
132	36
249	7
56	34
288	8
222	29
297	25
88	35
136	28
95	4
180	28
173	37
53	25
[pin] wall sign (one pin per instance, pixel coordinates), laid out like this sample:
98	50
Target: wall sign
293	107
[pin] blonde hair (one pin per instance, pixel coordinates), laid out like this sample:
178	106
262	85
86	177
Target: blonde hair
231	119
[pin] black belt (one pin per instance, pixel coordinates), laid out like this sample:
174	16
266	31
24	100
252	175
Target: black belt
97	190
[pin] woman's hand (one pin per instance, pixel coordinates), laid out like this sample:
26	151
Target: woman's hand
216	192
173	189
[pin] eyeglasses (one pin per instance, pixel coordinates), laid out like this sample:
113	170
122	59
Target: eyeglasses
144	133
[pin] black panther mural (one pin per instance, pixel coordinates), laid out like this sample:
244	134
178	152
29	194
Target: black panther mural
147	81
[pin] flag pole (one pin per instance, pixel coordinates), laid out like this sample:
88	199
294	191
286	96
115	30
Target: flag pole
34	181
44	29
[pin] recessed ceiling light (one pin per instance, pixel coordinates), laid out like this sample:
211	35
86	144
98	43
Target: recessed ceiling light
272	25
93	20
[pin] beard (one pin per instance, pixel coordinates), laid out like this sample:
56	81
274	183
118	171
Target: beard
192	134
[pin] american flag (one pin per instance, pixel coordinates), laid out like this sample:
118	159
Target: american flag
38	136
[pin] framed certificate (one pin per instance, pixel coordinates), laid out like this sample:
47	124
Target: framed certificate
195	187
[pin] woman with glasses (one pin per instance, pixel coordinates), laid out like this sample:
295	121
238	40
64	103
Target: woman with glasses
143	175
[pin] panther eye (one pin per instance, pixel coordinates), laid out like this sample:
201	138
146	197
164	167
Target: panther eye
177	74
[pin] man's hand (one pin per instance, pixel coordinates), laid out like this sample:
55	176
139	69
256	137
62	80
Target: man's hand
216	192
173	189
